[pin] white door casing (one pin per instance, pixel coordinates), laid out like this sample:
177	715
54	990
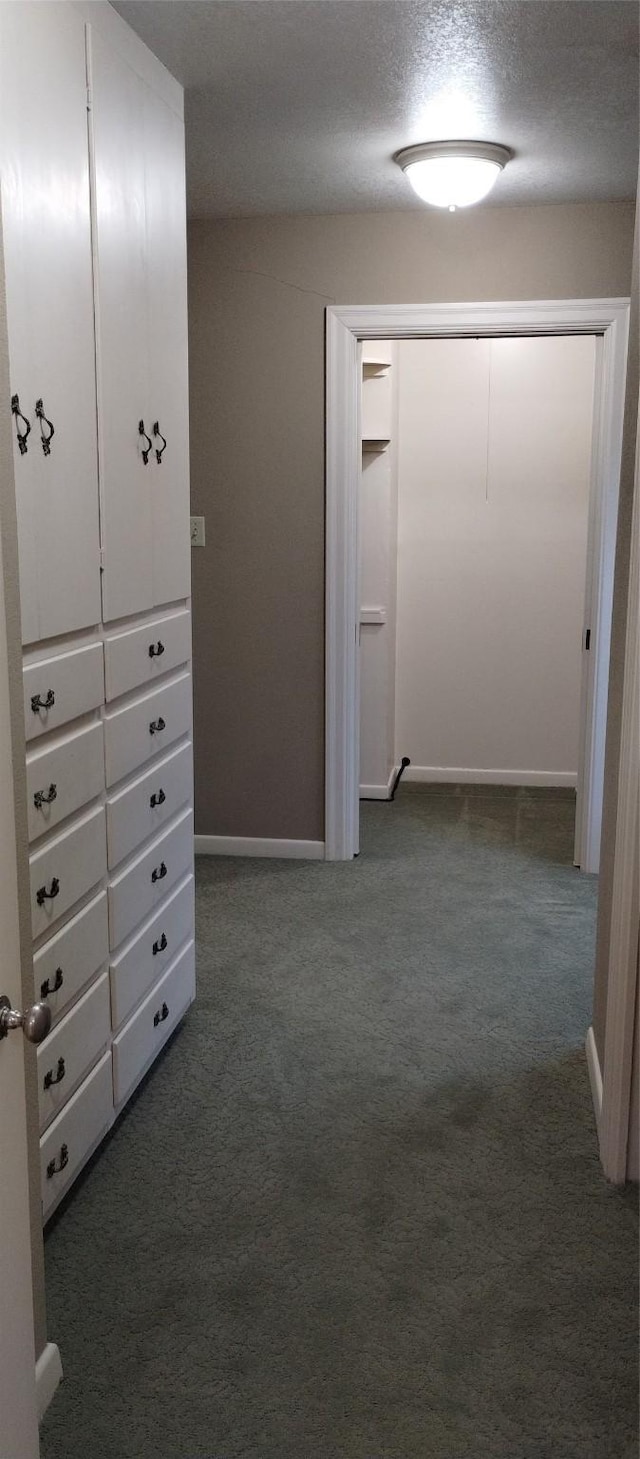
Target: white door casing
18	1422
345	326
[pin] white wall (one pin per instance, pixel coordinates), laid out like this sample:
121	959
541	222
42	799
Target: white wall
494	444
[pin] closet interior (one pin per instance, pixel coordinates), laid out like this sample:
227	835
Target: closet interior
473	528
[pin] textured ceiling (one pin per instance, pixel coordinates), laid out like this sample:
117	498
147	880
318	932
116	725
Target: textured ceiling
296	106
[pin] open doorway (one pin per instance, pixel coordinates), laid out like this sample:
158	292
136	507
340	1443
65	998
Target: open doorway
347	328
473	527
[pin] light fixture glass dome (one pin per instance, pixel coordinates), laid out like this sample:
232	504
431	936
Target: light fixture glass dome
453	174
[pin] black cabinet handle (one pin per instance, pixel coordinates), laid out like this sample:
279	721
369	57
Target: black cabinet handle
161	945
46	440
156	649
156	726
47	987
159	872
158	798
37	702
158	434
160	1016
45	797
51	1078
42	895
145	449
55	1165
17	414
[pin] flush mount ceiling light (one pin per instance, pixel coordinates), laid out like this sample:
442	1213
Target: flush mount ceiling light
453	174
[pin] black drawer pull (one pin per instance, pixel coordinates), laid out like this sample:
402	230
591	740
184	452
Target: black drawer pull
47	987
160	946
54	1166
158	433
157	725
51	1078
159	872
42	895
46	703
45	797
22	435
145	449
158	798
46	440
156	649
160	1016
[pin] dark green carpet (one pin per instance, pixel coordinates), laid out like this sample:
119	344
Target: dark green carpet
357	1210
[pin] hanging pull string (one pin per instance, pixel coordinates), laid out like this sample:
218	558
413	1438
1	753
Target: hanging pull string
486	464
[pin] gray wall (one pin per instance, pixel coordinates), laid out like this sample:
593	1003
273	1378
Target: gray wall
257	293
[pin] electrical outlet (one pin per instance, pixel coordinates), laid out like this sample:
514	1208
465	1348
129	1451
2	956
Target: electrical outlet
197	532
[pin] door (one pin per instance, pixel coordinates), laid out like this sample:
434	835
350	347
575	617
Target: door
44	159
167	326
127	458
18	1422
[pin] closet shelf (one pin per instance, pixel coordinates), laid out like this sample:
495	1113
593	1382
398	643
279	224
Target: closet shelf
372	445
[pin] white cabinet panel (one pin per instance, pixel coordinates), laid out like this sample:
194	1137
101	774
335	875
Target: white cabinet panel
62	687
143	1037
65	868
74	1133
167	324
145	882
144	807
63	777
118	151
67	961
139	655
47	240
146	956
70	1050
146	726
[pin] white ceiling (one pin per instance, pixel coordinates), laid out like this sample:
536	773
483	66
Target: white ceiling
296	106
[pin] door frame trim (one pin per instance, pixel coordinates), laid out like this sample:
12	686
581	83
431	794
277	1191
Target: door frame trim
346	326
618	1054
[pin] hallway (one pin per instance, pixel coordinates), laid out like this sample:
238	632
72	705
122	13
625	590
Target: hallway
356	1211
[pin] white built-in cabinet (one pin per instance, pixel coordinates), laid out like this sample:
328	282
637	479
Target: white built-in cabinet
47	246
93	220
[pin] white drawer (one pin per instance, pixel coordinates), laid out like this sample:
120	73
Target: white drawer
144	958
135	892
147	803
143	1037
64	777
75	1133
66	686
146	726
68	866
141	654
68	960
73	1047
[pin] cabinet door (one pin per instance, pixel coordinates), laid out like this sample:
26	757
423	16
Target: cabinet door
47	238
167	315
118	159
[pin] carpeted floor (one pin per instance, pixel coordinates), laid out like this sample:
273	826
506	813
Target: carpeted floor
356	1211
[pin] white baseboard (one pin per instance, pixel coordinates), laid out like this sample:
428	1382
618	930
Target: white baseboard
380	792
258	846
48	1376
595	1074
454	775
